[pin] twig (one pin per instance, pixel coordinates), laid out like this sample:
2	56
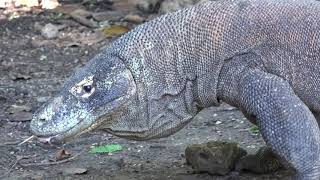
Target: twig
19	143
10	143
26	140
52	163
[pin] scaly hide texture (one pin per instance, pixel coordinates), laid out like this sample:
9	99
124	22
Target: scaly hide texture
260	56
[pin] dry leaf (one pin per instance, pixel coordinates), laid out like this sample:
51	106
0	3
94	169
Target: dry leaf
115	30
62	154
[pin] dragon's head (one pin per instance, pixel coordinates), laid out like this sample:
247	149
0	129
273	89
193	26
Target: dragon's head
88	100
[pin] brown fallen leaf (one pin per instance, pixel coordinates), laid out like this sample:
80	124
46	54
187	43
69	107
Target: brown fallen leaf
115	30
73	171
62	154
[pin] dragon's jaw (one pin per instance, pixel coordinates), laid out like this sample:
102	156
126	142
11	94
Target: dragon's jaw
61	119
67	135
84	126
59	135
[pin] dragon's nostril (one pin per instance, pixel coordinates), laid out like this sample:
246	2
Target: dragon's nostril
42	119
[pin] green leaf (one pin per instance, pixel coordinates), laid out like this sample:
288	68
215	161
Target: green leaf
115	30
108	148
254	130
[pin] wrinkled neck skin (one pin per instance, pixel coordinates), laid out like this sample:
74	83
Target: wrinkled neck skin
175	61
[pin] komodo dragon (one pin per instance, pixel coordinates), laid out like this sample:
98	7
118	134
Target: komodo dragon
261	56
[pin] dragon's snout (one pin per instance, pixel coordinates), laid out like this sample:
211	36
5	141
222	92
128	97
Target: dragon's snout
42	117
58	120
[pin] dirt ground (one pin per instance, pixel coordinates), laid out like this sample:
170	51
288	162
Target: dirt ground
32	68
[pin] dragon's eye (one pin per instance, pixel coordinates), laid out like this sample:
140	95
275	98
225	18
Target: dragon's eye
87	88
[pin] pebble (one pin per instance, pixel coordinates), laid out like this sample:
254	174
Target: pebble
50	31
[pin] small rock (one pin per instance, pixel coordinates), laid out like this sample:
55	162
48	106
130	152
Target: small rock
50	31
218	122
214	157
264	161
73	171
134	18
43	58
21	116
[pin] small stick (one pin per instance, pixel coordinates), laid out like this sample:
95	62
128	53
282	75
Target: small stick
26	140
9	143
52	163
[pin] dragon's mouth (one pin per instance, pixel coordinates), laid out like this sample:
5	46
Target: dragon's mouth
61	137
76	130
46	140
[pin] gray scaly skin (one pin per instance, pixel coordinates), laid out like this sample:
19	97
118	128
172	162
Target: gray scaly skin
260	56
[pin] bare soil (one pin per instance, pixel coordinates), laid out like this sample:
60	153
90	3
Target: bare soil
31	73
